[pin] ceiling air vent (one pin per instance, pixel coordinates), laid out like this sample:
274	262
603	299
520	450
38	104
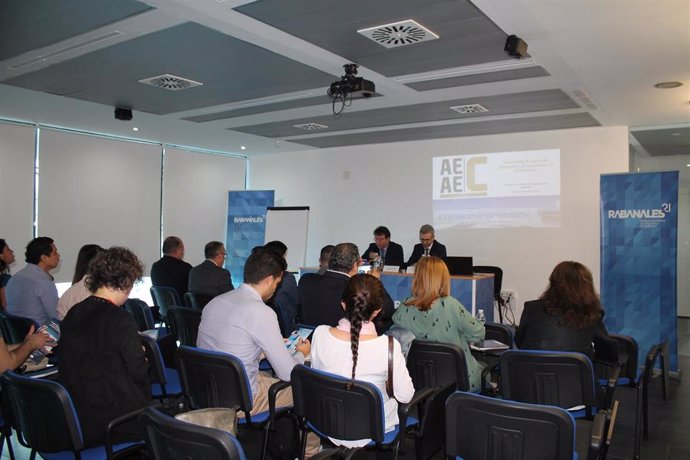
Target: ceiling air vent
170	82
469	108
311	126
401	33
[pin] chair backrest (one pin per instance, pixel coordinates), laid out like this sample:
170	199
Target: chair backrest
155	360
480	428
44	413
498	277
436	365
501	332
171	439
15	328
141	313
555	378
191	300
213	379
184	323
164	297
654	352
331	409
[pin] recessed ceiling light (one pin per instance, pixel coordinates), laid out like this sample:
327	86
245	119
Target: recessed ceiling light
135	129
687	165
675	134
668	84
243	147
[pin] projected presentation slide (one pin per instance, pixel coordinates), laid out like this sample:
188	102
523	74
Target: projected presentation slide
494	190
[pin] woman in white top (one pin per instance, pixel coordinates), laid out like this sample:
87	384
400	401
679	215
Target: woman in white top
352	349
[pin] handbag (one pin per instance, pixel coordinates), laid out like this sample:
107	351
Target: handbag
389	380
219	418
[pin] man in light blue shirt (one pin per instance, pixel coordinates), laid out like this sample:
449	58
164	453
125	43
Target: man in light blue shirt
240	323
31	292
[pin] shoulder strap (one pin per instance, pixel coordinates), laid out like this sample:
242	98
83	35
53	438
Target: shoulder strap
389	380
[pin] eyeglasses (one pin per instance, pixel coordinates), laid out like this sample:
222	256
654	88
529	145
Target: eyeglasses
224	254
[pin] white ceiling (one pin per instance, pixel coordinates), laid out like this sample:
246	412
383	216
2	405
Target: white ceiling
613	51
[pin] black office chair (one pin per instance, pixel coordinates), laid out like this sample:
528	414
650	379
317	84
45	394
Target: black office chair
214	379
501	332
163	298
441	366
143	316
554	378
627	361
326	405
171	439
14	328
184	323
437	365
498	283
48	424
165	381
478	428
192	301
6	423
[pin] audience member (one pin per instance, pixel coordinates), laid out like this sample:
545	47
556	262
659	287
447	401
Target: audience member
383	249
170	270
209	278
31	292
285	300
427	246
102	362
567	317
78	291
432	314
240	323
353	349
325	255
12	356
320	295
6	259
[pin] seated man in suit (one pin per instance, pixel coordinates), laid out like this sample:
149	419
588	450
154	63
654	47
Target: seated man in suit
171	270
383	249
324	257
428	246
209	278
320	295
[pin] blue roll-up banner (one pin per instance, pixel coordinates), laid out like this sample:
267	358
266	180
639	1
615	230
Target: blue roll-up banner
246	227
639	226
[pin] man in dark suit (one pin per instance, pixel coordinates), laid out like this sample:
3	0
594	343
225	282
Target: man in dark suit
383	249
209	278
320	295
171	270
427	246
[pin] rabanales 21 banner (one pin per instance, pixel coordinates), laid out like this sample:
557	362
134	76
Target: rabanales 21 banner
639	226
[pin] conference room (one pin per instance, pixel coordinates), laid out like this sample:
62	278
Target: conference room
124	122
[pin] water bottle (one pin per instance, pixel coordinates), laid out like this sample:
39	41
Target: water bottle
480	316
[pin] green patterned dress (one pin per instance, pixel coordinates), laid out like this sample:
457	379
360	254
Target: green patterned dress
446	321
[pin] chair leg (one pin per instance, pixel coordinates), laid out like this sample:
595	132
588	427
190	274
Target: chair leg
664	368
264	446
645	420
302	444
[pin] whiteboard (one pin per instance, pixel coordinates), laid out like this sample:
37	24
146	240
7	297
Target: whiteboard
289	225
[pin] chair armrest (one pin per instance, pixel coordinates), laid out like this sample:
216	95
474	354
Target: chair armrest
611	386
272	394
119	421
598	437
404	408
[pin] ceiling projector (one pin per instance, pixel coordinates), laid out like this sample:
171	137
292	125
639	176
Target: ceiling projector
350	85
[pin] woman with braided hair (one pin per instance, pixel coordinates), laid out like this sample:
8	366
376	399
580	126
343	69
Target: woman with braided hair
352	349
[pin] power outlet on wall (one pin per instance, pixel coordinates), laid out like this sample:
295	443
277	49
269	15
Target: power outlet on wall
510	299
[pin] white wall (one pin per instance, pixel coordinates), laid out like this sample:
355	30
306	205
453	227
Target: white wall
195	198
16	186
351	190
94	189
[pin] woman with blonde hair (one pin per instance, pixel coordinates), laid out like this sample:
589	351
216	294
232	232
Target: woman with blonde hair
432	314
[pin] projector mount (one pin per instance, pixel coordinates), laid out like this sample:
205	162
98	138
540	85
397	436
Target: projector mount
341	91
